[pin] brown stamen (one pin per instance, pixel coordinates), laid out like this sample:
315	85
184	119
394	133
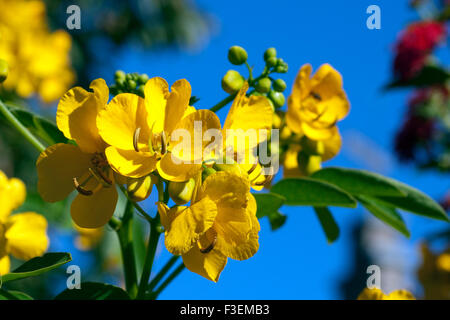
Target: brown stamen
80	189
136	139
99	175
210	247
163	143
252	168
316	96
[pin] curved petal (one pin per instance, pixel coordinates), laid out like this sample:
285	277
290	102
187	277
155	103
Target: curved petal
176	170
332	146
56	168
208	265
77	113
177	104
371	294
318	133
117	123
227	189
130	163
5	265
12	195
400	295
26	235
94	211
187	224
156	92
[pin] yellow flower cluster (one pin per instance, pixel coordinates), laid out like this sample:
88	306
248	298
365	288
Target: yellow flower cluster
434	273
130	138
315	106
22	235
377	294
38	59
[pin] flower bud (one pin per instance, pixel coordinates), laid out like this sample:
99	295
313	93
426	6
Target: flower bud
276	121
131	84
308	164
139	188
270	53
181	192
233	167
263	85
277	98
285	133
142	79
119	75
279	85
237	55
207	172
18	189
141	91
232	82
3	70
271	62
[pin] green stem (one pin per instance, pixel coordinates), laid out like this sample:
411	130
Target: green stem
169	279
250	72
223	103
20	127
163	272
125	234
149	258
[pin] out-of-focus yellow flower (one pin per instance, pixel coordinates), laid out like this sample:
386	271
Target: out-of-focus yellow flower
63	167
434	273
220	223
22	235
38	59
138	130
88	238
240	134
377	294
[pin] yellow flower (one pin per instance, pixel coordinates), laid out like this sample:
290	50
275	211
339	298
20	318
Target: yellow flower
64	167
22	235
219	224
317	103
87	238
138	130
377	294
38	60
240	133
434	273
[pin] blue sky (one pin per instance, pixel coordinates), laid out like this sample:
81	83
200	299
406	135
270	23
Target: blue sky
296	262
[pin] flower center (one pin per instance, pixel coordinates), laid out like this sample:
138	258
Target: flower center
99	175
157	143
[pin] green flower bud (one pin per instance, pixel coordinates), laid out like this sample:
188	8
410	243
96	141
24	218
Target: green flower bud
232	81
271	62
237	55
277	98
181	192
139	189
3	70
207	172
160	228
128	76
263	85
270	53
120	83
279	85
119	74
143	78
140	91
131	84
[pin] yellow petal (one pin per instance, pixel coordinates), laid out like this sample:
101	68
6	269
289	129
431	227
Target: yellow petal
77	113
226	189
94	211
208	265
332	146
118	122
12	195
156	92
177	104
56	168
26	235
186	224
177	170
318	133
130	163
163	211
371	294
400	295
5	265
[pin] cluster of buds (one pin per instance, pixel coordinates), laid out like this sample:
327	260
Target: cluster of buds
264	84
129	82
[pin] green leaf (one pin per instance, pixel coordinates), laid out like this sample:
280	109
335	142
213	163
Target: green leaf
428	76
268	205
94	291
13	295
385	213
359	182
311	192
417	202
328	223
38	265
45	129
